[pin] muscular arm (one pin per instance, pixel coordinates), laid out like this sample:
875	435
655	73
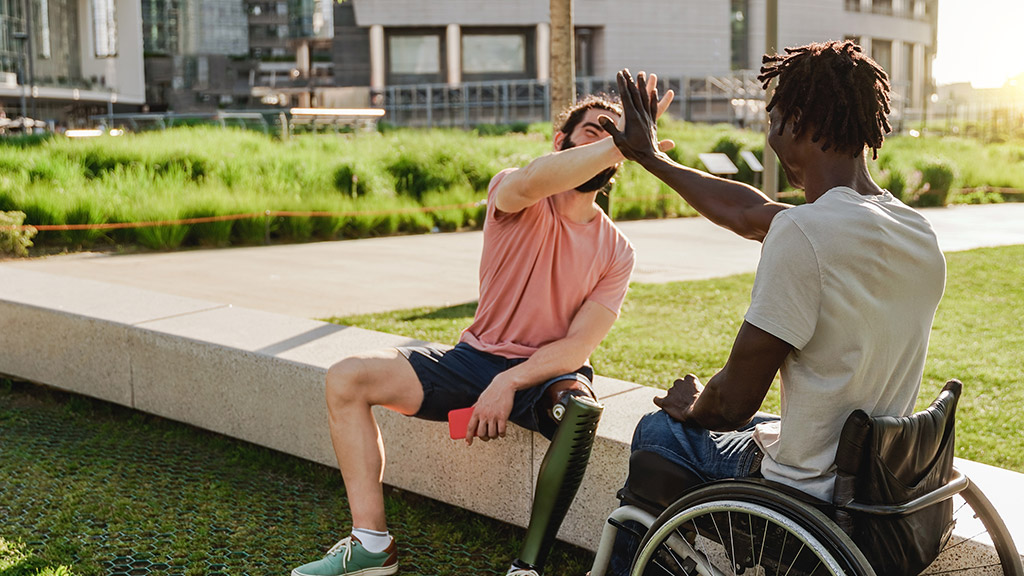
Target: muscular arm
553	173
590	325
735	393
733	205
567	169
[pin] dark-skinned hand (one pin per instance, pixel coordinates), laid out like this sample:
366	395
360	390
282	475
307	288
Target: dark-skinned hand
680	397
641	107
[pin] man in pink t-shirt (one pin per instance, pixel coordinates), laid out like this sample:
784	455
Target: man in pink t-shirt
553	275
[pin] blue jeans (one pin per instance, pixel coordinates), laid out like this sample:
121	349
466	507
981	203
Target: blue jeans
709	455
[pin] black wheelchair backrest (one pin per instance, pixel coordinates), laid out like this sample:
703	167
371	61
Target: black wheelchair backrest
893	460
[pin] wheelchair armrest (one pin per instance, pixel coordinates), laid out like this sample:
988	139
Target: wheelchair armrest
957	484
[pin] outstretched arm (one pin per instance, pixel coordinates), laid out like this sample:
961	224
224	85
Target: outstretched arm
565	169
553	173
733	205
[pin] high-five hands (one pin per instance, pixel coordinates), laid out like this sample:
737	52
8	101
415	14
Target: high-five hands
636	136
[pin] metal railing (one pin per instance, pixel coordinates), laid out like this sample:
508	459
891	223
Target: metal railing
736	99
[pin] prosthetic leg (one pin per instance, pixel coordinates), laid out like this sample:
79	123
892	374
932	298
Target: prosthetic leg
561	474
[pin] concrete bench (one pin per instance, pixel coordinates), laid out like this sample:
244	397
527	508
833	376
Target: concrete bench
258	377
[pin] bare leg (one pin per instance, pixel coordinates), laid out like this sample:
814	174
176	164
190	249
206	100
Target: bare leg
354	385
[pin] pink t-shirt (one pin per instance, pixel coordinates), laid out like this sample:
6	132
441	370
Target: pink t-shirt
537	270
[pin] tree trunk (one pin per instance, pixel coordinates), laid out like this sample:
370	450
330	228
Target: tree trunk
563	70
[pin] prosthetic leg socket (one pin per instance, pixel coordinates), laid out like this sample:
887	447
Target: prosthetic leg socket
561	474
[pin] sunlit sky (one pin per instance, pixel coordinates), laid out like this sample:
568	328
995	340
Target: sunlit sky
979	41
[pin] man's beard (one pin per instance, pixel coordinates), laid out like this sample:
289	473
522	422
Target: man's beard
602	182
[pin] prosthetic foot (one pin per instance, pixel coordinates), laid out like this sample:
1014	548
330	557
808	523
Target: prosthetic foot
561	474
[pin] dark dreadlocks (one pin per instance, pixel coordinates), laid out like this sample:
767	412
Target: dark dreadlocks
834	88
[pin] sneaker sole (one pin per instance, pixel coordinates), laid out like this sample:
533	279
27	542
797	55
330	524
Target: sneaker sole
382	571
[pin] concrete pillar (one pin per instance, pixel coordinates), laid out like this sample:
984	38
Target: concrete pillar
771	46
302	59
897	74
543	51
920	77
377	62
453	43
865	5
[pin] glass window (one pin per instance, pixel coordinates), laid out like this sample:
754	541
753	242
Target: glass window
415	54
494	53
104	27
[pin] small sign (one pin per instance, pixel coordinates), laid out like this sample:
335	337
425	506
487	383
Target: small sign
751	161
718	163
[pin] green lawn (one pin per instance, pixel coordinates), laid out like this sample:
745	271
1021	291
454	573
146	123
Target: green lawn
90	488
666	330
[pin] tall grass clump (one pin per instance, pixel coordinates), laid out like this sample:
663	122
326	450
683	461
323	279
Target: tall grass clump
373	184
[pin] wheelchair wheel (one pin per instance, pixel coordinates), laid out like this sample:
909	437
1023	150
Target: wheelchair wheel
978	520
735	527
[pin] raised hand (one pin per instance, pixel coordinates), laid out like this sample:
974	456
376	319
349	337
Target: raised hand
637	137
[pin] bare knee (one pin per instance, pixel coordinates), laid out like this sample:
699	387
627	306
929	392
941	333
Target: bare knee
347	383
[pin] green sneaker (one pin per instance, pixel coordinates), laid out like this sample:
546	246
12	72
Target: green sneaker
348	557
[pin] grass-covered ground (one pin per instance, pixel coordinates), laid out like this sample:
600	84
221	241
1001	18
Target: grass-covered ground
372	183
666	330
90	488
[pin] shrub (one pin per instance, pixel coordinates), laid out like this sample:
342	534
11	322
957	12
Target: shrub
208	234
162	237
895	182
13	240
937	177
978	196
81	213
501	129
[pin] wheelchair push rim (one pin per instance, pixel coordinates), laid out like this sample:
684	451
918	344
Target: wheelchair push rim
730	523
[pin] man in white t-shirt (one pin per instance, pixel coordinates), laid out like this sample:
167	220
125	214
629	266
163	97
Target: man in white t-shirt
845	292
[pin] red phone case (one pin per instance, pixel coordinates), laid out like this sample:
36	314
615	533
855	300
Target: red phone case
457	422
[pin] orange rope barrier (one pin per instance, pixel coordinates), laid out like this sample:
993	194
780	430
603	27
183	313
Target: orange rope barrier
320	214
226	217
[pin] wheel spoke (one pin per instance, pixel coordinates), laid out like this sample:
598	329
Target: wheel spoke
732	545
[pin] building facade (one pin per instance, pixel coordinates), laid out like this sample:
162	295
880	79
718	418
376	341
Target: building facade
64	60
196	54
460	41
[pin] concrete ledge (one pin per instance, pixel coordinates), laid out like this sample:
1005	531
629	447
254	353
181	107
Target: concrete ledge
258	377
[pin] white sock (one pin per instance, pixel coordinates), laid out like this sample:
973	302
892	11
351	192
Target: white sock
373	540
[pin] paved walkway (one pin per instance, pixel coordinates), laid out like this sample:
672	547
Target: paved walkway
326	279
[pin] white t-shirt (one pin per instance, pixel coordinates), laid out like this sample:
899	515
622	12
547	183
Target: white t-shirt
852	282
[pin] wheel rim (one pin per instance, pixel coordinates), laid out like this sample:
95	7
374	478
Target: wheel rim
730	537
979	531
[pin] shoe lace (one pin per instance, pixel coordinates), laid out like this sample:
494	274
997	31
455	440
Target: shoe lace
343	544
522	572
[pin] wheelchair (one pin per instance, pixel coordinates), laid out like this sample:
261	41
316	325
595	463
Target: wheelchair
896	501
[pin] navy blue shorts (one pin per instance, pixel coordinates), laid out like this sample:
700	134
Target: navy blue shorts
454	378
